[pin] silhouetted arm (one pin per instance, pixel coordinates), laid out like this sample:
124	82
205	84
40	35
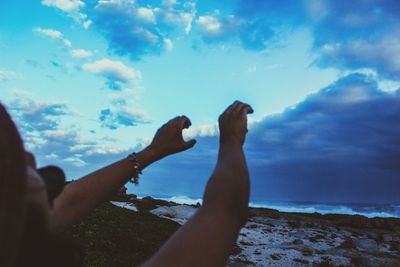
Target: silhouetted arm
83	195
208	237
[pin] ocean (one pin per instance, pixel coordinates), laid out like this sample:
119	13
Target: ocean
368	210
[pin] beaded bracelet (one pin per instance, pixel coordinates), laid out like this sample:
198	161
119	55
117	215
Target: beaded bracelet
136	168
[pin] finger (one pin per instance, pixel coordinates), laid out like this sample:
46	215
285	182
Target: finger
176	119
246	109
232	107
237	110
184	122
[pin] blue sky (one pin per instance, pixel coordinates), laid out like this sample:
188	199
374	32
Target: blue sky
89	81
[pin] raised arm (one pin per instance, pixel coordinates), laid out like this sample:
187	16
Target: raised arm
208	237
83	195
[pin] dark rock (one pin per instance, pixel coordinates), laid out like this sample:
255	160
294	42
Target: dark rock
298	242
356	260
275	256
245	243
316	238
307	251
347	244
302	261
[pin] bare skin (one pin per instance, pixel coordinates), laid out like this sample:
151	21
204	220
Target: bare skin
83	195
208	237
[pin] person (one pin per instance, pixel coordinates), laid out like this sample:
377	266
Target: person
29	224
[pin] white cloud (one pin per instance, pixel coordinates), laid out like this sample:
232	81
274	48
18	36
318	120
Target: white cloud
64	5
54	34
210	25
217	26
169	45
169	2
71	7
67	43
145	14
87	24
251	69
113	70
81	53
77	162
202	131
7	75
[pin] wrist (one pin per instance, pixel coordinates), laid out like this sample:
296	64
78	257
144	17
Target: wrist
230	141
152	154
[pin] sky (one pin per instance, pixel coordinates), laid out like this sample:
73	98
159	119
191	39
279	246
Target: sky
89	81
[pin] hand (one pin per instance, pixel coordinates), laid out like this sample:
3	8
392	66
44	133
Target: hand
233	123
168	139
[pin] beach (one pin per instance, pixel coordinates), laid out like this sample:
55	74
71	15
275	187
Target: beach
269	238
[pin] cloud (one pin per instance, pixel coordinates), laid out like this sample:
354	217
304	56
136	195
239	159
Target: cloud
341	144
135	30
43	128
80	53
123	116
216	28
42	116
115	72
65	5
71	7
53	34
381	55
353	35
349	35
8	75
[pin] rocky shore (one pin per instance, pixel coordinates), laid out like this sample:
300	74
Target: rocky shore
115	236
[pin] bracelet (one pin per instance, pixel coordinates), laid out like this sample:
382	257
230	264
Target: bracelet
136	168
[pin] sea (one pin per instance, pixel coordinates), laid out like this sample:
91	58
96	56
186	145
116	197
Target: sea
368	210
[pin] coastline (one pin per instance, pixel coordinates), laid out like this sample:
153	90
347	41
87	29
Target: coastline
273	238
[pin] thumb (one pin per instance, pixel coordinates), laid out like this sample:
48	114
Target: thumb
190	143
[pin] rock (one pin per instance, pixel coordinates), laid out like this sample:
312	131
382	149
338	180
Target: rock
347	243
298	242
366	244
301	261
307	251
387	238
316	238
275	256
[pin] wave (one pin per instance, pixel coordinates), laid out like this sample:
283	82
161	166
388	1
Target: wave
326	209
370	211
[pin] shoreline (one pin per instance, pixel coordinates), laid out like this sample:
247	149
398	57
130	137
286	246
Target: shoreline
274	238
127	236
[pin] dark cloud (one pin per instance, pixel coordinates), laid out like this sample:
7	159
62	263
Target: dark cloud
341	144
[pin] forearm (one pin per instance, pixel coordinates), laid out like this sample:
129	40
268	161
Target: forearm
228	187
81	196
207	238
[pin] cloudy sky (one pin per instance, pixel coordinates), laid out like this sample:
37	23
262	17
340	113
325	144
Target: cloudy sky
88	81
